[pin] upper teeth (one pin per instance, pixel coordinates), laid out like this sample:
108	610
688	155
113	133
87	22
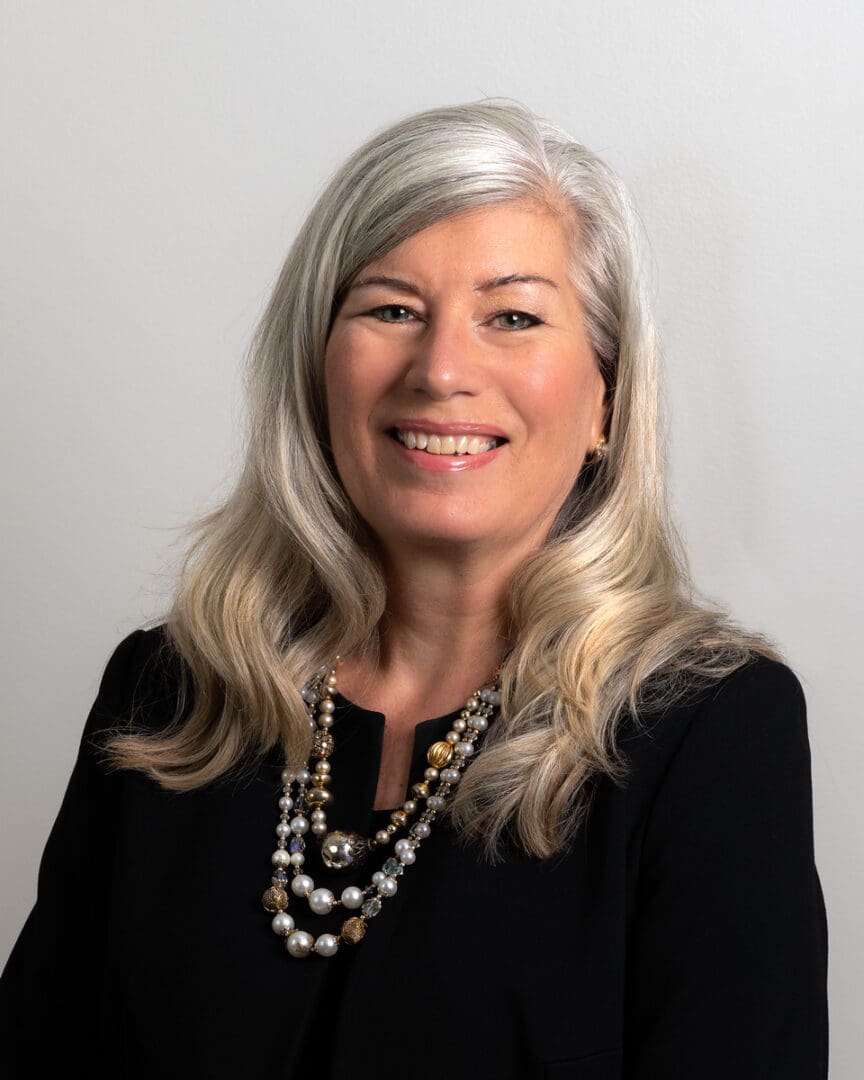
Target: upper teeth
445	444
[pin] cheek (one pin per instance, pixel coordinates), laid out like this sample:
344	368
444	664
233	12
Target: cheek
558	396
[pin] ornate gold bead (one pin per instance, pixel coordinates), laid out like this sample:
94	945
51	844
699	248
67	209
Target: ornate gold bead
399	817
322	744
275	899
421	790
353	930
439	754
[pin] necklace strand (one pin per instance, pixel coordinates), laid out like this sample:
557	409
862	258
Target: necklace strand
303	804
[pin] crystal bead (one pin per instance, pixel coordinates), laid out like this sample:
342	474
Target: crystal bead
297	844
371	907
393	868
280	877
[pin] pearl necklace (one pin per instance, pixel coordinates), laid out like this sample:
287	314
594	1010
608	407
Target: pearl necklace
305	794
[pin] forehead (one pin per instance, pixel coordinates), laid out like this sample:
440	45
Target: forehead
518	237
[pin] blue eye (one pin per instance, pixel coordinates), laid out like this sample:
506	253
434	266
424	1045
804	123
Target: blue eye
391	313
516	320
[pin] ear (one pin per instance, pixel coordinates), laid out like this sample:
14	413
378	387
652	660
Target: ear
603	411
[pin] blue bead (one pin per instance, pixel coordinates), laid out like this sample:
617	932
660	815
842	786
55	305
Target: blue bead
297	844
280	877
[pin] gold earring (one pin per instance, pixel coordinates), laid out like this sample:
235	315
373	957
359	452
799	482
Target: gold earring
599	449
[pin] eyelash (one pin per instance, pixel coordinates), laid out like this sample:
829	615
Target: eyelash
533	320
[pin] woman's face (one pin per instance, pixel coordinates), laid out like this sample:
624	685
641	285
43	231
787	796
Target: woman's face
462	393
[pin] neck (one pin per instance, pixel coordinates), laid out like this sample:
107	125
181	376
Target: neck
443	634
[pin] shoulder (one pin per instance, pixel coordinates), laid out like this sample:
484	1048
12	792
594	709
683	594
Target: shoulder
763	695
758	709
139	683
727	741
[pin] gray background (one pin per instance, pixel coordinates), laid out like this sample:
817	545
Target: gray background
158	159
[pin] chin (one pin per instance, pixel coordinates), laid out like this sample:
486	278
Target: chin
437	532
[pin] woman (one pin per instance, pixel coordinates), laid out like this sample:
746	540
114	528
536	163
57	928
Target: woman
595	859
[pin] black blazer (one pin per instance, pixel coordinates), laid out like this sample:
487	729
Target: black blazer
682	938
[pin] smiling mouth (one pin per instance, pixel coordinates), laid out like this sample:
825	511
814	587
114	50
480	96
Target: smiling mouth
451	445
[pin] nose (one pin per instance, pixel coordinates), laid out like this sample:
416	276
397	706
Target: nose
445	359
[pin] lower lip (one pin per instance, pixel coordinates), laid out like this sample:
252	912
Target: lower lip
445	463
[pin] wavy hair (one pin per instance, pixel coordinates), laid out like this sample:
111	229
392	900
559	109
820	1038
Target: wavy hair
281	576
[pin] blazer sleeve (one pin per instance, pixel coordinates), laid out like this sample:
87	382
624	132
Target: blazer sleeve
727	955
51	987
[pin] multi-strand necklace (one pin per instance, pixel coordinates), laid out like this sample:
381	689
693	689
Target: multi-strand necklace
306	797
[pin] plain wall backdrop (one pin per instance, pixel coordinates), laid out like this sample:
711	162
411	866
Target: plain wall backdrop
158	158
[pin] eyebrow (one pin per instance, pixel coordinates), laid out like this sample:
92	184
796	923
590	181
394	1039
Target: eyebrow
485	286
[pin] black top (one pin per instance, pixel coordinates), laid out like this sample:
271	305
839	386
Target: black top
682	938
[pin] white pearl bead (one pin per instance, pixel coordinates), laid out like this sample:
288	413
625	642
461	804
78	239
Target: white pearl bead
464	749
322	768
302	885
452	737
450	776
299	825
326	945
382	836
378	877
325	720
283	829
297	858
435	802
407	857
388	886
288	776
352	897
319	828
409	806
299	943
286	803
421	830
303	776
326	706
280	857
401	846
479	723
321	901
459	724
318	815
282	923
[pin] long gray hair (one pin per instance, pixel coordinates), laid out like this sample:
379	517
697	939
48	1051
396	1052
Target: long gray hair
280	577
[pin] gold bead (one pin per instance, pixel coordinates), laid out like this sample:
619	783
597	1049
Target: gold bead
399	817
322	744
353	930
318	797
421	790
439	754
275	899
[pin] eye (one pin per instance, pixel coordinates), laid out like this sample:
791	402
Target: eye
515	320
391	313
